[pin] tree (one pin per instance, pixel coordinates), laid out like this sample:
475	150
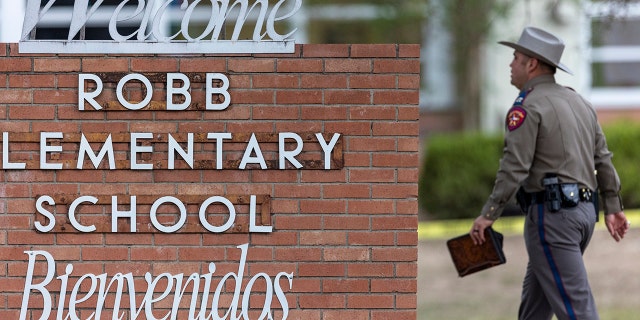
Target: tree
469	22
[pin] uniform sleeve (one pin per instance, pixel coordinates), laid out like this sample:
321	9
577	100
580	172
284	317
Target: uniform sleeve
518	153
608	180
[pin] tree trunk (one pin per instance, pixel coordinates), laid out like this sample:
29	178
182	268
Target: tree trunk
470	84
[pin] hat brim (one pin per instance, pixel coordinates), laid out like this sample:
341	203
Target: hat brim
530	53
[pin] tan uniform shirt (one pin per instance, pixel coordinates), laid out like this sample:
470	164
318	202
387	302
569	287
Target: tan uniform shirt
552	129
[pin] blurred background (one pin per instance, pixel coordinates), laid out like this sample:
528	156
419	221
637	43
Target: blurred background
465	78
465	94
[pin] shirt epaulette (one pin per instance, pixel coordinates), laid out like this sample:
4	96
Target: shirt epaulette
522	96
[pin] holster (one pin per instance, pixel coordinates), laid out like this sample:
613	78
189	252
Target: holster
523	199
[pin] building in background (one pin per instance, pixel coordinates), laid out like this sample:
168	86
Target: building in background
602	49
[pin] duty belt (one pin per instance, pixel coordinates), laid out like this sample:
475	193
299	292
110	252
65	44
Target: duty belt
584	194
568	196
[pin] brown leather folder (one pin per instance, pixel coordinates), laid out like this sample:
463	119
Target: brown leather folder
469	258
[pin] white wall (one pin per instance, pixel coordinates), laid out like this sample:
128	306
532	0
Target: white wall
11	15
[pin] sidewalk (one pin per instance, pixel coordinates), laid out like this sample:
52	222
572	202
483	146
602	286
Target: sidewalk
495	294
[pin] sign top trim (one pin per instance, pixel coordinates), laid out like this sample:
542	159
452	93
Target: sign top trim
139	47
150	20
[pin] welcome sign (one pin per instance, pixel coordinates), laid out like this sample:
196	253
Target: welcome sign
150	37
170	186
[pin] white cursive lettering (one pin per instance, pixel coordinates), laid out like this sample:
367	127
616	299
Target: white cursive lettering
157	16
91	287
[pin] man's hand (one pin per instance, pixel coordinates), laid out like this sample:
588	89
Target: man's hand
617	224
477	230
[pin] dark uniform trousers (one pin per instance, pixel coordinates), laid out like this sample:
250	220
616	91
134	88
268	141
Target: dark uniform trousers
556	279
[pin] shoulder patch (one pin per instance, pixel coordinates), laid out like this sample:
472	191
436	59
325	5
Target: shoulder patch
516	118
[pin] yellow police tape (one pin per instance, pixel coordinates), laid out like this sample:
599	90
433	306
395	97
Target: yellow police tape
443	229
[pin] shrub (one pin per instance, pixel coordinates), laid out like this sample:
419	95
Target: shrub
458	170
623	139
458	174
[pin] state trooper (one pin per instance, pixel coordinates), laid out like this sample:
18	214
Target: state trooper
556	160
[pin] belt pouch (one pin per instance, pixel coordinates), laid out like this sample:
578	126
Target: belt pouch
570	195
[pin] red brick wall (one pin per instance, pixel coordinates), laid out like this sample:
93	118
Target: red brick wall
348	235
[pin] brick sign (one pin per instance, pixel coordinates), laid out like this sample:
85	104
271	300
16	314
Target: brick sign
249	186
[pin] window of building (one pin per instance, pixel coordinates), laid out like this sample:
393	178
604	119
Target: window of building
615	53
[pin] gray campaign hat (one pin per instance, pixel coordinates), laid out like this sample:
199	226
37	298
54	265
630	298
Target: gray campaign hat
540	44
